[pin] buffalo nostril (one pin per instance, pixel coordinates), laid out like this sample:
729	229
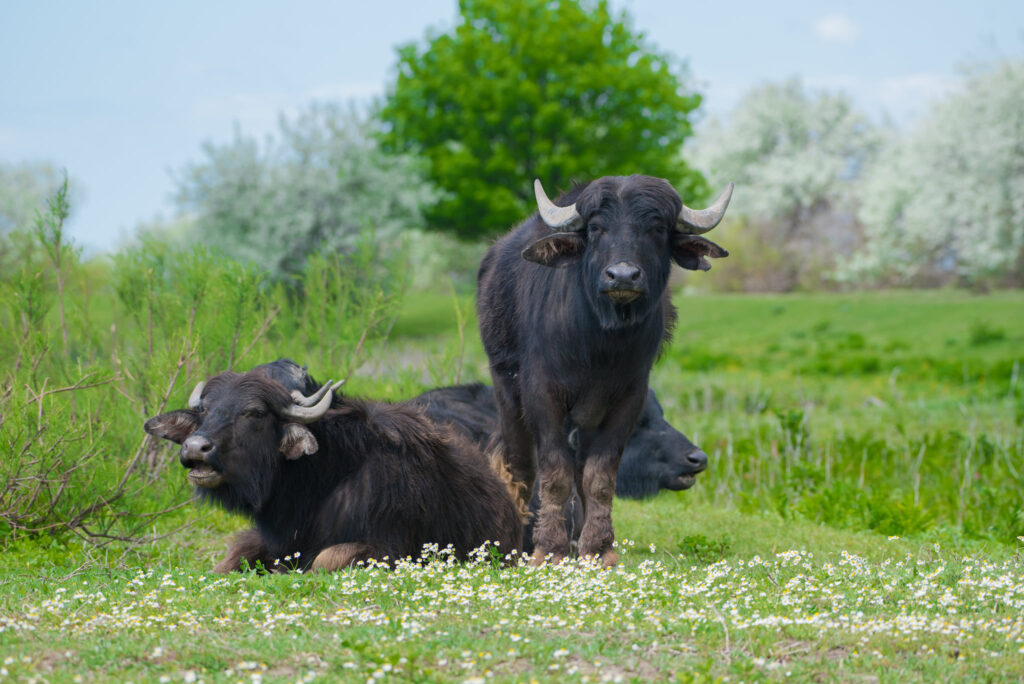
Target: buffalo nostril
698	459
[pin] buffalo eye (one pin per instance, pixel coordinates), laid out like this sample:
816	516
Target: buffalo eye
255	413
594	229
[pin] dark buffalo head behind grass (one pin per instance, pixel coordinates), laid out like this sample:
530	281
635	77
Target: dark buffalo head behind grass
657	456
573	307
336	479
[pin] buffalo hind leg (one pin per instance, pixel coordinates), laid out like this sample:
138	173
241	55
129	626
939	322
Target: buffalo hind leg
248	546
516	442
341	556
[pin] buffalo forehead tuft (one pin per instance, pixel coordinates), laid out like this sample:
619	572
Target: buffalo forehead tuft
249	388
648	200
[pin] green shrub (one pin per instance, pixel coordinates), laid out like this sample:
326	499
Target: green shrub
982	332
95	348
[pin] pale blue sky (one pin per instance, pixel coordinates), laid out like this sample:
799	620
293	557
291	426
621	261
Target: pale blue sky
124	93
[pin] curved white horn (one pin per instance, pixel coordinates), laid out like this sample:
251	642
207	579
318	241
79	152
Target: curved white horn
195	399
558	218
311	414
302	400
696	222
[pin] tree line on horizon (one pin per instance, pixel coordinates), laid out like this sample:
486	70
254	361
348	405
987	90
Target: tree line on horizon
826	198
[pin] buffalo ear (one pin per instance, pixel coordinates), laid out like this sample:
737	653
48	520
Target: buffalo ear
689	251
174	425
557	250
297	441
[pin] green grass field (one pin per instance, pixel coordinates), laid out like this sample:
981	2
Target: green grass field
862	519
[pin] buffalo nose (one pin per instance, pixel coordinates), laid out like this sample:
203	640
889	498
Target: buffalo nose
195	450
698	460
622	273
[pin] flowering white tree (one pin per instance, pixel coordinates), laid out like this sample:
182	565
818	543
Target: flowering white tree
321	183
946	202
795	157
788	151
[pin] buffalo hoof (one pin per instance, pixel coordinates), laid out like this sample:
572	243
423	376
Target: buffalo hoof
608	559
226	566
540	557
340	556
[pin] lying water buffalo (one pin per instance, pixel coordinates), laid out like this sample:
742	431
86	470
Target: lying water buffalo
656	457
334	480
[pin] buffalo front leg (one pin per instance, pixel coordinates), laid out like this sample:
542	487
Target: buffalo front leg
248	546
598	536
597	485
555	477
341	556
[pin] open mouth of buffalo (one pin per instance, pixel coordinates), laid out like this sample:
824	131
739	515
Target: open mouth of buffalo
203	475
681	482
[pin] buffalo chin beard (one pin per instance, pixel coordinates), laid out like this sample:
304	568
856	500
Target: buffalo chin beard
626	313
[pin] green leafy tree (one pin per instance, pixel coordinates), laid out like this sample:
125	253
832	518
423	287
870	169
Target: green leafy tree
320	184
945	203
559	91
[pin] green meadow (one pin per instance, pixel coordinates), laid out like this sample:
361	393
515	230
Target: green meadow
861	518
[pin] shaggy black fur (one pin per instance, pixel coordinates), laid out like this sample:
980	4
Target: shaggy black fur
377	480
571	343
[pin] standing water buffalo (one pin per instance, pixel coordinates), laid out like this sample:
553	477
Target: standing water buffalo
573	308
337	480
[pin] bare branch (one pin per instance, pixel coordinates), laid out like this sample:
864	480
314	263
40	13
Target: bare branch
78	385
